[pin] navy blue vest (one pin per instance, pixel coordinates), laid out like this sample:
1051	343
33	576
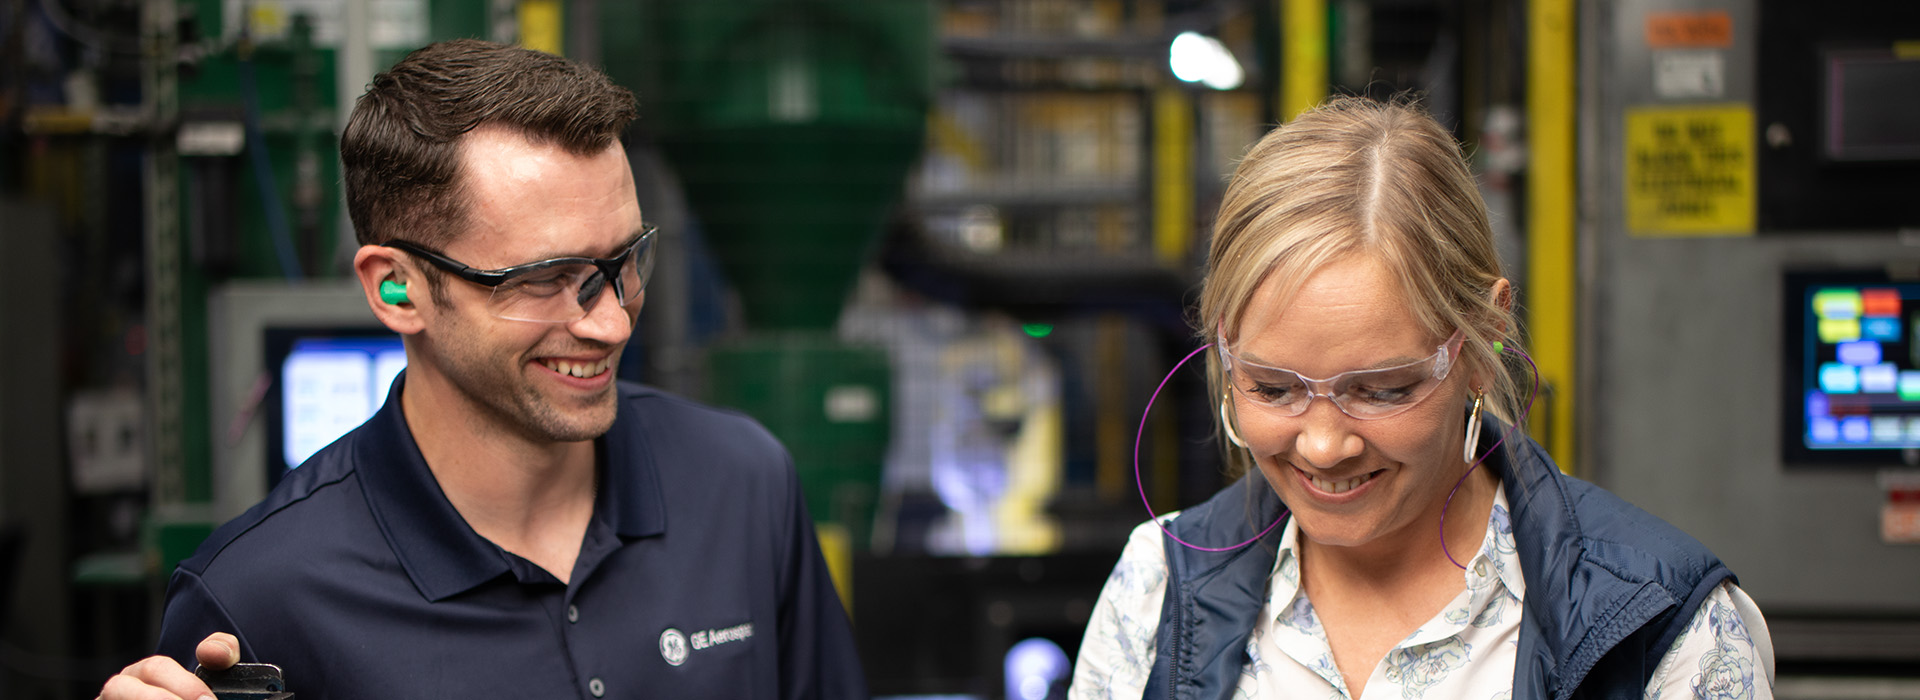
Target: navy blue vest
1609	586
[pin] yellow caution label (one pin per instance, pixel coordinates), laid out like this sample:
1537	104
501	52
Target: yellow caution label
1690	170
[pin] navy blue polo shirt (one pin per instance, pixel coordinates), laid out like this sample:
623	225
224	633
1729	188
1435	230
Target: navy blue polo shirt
699	576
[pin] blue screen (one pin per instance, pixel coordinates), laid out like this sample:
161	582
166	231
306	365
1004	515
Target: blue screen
1860	366
330	385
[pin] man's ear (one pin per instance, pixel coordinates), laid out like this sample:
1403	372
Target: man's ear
393	292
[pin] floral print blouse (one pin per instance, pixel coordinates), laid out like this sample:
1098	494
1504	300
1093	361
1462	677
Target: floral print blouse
1466	651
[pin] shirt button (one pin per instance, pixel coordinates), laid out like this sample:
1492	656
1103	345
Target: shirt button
573	614
1480	568
596	687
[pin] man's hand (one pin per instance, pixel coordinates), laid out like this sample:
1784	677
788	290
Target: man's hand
161	678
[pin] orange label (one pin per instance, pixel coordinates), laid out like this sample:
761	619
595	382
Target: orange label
1900	523
1689	30
1880	302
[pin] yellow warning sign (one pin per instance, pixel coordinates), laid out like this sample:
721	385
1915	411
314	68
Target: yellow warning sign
1690	170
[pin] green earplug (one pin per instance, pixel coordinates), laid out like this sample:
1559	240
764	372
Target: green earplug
393	292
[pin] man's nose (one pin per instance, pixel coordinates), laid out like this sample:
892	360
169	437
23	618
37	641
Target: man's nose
607	320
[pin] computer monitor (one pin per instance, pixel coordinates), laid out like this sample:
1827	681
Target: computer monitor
1852	384
243	318
324	382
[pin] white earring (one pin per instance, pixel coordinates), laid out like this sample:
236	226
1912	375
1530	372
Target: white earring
1226	423
1473	429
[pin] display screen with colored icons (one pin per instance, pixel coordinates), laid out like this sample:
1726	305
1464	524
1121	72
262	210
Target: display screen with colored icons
325	382
1853	369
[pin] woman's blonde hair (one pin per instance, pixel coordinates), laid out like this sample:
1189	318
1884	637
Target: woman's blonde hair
1361	176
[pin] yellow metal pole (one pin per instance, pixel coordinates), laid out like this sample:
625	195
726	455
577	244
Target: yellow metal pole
1551	83
1303	63
540	26
1172	175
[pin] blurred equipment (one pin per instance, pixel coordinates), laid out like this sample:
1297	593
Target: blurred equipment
1852	380
996	432
321	383
792	125
1746	266
979	627
106	437
1838	119
978	428
297	367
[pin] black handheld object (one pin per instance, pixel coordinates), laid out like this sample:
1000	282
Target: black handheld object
246	682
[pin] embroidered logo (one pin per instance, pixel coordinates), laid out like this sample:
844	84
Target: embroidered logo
673	646
710	638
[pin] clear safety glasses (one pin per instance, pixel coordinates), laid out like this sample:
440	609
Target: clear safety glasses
560	290
1365	394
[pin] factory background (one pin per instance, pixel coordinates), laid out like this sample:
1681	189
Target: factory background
946	250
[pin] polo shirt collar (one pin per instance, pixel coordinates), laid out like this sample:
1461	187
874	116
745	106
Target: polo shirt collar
440	552
633	501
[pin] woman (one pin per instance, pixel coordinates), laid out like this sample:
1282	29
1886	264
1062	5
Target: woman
1420	547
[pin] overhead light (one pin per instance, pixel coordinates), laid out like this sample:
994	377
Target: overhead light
1198	58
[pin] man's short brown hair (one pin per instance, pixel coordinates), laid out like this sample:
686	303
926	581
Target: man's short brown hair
400	150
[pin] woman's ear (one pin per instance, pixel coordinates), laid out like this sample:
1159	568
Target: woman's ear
392	292
1501	297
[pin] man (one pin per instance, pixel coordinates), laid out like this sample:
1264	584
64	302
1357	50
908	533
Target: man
514	522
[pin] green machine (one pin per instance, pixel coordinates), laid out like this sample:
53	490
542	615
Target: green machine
792	125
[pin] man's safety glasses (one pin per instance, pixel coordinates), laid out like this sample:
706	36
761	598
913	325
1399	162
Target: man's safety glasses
560	290
1365	394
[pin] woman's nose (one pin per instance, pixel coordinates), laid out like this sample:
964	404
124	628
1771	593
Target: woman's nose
1326	437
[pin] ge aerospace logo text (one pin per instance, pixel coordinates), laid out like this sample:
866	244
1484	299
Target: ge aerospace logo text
673	646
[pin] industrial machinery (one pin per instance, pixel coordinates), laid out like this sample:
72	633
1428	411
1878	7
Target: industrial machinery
791	126
1737	158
